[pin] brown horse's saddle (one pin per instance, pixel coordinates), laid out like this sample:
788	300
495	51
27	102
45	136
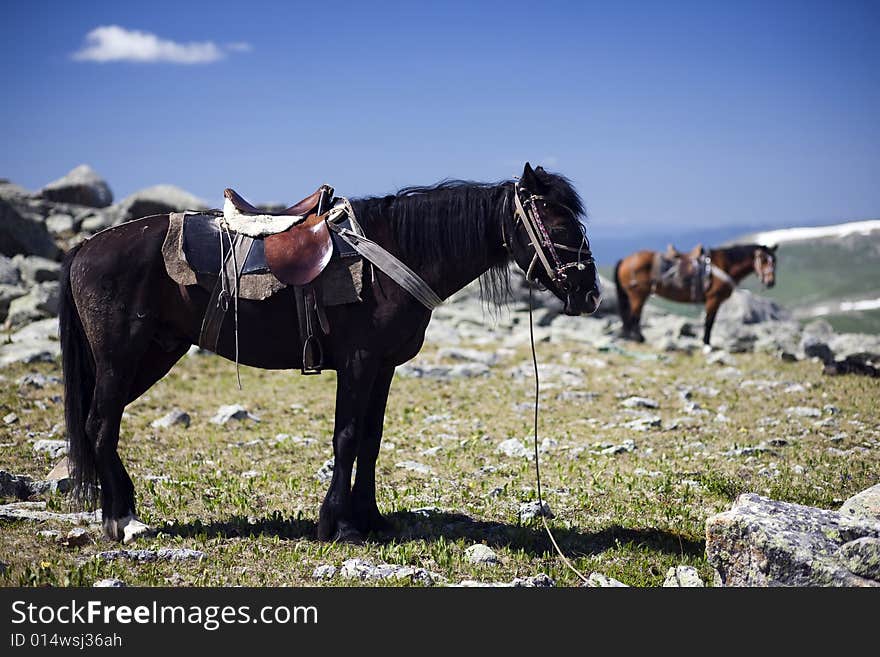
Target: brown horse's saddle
687	272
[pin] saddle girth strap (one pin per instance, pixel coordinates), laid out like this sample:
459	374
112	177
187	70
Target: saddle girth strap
218	304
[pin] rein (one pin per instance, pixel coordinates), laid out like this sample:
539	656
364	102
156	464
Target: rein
537	465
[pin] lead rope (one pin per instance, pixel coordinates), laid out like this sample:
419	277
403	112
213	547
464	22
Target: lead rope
537	465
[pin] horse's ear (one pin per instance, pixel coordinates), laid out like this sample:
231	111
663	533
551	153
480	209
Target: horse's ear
539	169
529	179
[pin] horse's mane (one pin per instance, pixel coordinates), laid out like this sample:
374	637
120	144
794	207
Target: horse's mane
457	218
738	252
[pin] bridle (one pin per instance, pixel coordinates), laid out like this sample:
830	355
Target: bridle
546	250
759	268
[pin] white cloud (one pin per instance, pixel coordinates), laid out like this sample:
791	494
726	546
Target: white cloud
111	43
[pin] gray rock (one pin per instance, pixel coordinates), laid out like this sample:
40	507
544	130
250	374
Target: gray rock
81	186
51	535
513	448
39	303
110	583
415	466
37	380
162	554
531	510
803	411
54	448
470	355
9	273
173	417
644	423
627	445
603	581
862	557
540	580
77	537
481	554
17	486
233	412
36	511
325	472
40	351
158	199
762	542
443	372
11	190
36	269
60	224
864	505
24	232
743	307
639	402
364	570
8	293
324	571
10	418
683	576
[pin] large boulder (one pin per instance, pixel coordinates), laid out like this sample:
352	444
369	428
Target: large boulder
864	505
36	269
746	308
8	294
36	342
762	542
158	199
82	186
39	303
24	232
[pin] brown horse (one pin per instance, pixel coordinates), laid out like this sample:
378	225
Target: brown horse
636	278
125	322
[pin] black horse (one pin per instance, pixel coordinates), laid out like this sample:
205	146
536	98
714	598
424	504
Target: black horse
124	323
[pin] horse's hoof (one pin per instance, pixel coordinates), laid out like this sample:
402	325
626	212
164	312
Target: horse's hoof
348	535
707	349
127	529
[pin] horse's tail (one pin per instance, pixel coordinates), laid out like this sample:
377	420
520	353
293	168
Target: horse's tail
622	296
79	385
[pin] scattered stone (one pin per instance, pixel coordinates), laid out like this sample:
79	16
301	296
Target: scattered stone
324	571
36	269
10	418
762	542
77	537
471	355
81	186
110	583
864	505
250	474
639	402
325	472
60	224
803	411
40	302
54	448
603	581
432	451
644	423
683	576
159	199
24	232
177	416
51	535
531	510
233	412
540	580
37	380
9	274
36	511
626	446
862	557
162	554
364	570
415	466
513	448
481	554
443	372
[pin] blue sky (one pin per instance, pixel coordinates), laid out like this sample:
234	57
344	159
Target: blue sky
664	114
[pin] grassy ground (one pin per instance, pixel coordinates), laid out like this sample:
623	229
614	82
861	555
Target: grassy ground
250	500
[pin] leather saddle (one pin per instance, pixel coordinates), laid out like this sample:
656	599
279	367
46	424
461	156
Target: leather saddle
295	256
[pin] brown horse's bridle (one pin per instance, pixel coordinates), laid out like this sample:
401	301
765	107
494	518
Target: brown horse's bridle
546	250
759	265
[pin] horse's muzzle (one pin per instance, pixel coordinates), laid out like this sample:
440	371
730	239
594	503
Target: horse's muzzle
586	305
